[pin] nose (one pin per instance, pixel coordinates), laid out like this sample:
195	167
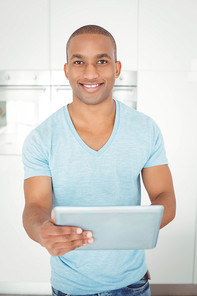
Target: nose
90	72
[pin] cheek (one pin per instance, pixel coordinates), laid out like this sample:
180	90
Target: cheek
110	77
111	71
108	74
74	73
71	74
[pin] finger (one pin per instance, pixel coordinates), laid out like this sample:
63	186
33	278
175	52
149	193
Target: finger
71	245
70	237
67	245
87	234
59	252
76	244
61	230
64	238
59	249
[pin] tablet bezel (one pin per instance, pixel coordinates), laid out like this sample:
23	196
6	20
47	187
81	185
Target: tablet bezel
97	219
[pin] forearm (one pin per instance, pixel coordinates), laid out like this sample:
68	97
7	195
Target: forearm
167	199
33	218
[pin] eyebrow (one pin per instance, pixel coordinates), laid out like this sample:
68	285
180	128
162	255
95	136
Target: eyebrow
98	56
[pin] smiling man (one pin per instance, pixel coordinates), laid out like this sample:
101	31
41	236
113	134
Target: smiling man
91	70
91	153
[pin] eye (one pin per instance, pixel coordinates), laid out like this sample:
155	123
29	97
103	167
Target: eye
78	62
102	62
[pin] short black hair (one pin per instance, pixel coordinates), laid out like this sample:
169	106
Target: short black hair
92	29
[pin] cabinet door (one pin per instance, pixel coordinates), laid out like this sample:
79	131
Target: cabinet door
22	260
120	20
170	99
24	34
167	35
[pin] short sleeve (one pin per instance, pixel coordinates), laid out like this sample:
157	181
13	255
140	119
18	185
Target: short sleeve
35	156
157	154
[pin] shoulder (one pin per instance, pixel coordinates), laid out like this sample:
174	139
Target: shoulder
53	122
43	133
139	120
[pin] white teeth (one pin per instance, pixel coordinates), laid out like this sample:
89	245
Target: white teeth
93	85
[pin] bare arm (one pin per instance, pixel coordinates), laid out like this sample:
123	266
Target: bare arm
38	224
38	205
159	185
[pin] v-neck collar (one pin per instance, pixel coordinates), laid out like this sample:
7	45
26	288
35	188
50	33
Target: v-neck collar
82	143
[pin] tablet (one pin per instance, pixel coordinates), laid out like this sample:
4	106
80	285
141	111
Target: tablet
115	228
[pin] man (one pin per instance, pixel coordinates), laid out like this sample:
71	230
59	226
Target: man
91	153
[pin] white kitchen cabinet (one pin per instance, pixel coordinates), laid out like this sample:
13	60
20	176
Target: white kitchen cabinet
167	35
24	34
23	261
120	20
170	99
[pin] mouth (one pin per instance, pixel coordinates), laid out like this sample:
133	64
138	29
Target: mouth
91	87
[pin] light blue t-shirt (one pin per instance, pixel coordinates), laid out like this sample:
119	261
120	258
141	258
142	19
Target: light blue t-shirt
82	176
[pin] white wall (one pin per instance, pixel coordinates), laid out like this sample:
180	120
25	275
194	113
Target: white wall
167	91
119	18
24	34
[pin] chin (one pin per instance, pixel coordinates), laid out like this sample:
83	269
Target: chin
92	101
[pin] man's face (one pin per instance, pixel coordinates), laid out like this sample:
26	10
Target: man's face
91	68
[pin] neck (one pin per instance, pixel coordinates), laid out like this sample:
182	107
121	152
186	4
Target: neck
92	117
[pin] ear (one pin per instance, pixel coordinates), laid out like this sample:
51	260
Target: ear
66	70
118	68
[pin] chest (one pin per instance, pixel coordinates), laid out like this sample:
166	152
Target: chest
82	178
95	140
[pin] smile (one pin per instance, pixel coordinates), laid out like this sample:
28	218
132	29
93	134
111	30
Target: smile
91	87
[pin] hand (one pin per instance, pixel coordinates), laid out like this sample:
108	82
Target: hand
59	240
